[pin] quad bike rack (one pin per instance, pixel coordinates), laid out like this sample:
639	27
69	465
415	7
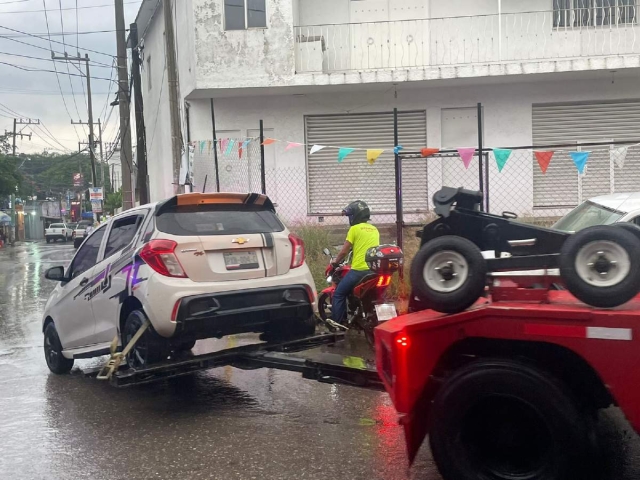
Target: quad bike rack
323	367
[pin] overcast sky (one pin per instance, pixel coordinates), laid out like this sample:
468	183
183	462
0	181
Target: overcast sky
37	94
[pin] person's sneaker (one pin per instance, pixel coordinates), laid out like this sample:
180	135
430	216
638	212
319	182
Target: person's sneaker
336	325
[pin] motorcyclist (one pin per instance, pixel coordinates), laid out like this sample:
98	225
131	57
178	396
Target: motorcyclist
361	237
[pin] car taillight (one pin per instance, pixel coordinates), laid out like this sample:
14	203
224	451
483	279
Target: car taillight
297	251
160	256
384	280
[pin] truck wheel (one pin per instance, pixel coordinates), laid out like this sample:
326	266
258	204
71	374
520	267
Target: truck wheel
150	348
601	265
449	274
56	362
499	420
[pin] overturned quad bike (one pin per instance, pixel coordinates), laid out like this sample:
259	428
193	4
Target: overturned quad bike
599	265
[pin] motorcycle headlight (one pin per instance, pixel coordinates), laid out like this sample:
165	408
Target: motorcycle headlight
329	279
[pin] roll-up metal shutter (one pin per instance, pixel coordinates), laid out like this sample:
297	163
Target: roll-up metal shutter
582	123
333	185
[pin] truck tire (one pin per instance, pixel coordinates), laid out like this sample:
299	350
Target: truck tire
150	348
500	419
601	265
449	274
56	362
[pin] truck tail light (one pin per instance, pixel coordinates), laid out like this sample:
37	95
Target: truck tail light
160	256
297	251
403	341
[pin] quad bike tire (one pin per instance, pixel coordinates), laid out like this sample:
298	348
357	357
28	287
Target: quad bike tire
601	265
449	274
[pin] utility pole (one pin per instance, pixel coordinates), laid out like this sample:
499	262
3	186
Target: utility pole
16	134
85	59
141	147
102	182
126	155
172	80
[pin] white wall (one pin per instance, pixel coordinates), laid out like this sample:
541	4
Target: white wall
507	115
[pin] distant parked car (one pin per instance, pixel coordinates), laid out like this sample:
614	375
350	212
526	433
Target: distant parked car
58	231
80	233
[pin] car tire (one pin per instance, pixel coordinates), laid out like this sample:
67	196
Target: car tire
150	348
56	362
500	419
77	242
449	274
48	240
324	306
601	265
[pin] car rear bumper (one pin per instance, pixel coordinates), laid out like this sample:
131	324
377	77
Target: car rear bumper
255	310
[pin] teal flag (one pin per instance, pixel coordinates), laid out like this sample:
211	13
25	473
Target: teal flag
230	147
580	159
343	152
502	155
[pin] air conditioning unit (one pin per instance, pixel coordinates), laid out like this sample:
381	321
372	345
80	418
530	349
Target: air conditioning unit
310	53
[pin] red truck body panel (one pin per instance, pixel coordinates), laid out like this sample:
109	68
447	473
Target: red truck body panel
409	347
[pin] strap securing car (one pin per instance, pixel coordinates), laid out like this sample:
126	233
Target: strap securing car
116	358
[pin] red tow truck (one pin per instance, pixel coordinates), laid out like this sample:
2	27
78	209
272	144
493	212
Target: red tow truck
510	388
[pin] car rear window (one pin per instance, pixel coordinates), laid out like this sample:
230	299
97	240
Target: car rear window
217	220
56	225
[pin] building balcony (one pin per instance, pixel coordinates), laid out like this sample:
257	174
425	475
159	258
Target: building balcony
525	42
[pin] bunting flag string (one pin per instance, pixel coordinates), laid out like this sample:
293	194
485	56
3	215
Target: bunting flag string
269	141
428	152
316	148
502	155
343	152
292	145
397	149
544	159
230	145
243	147
619	155
223	144
580	159
373	154
466	154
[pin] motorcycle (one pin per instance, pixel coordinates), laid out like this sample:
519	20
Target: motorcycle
366	305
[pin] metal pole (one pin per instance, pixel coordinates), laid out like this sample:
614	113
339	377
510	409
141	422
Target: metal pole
215	145
486	183
102	182
126	154
480	154
141	147
91	137
262	169
398	171
14	136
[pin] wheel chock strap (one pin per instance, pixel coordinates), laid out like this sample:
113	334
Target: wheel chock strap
116	358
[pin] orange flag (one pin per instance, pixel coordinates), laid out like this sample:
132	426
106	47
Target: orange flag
427	152
268	141
544	159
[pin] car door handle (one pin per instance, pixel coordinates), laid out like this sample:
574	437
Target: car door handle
84	282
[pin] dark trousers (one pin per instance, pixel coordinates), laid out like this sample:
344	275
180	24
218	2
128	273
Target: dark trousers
344	288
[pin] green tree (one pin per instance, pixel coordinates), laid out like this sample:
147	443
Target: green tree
113	201
10	178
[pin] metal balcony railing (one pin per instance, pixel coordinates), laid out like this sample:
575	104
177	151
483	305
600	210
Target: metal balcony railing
563	33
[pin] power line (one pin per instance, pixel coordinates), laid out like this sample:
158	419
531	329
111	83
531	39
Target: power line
32	69
67	8
44	59
14	1
59	34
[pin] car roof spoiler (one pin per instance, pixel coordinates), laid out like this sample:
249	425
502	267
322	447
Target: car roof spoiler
194	199
464	199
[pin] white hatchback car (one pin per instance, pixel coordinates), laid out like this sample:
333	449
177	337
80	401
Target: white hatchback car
197	266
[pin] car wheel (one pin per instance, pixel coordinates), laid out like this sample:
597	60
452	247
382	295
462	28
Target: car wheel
149	349
449	273
77	242
501	420
324	306
601	265
56	362
48	240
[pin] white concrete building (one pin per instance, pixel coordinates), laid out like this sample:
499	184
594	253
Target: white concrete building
330	72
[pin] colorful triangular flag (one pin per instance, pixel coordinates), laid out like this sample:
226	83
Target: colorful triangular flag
230	145
466	154
373	154
316	148
202	144
619	155
397	149
268	141
544	159
291	145
580	159
427	152
502	155
209	144
242	147
223	144
343	152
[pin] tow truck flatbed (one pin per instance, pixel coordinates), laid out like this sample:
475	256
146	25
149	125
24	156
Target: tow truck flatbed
321	366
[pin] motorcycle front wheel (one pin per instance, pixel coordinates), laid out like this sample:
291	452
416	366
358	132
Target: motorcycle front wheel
324	306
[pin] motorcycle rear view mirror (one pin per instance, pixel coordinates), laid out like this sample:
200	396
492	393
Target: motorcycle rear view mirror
326	252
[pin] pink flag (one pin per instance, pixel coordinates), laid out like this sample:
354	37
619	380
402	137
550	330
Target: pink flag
223	144
466	154
292	145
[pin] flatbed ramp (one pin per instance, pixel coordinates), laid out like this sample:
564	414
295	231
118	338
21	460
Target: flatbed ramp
300	356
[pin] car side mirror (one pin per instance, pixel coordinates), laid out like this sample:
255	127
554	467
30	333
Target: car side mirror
326	252
55	273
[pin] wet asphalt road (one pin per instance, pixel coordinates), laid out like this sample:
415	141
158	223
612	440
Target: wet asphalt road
223	423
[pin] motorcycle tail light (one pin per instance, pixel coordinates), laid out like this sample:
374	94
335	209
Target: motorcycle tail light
384	281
